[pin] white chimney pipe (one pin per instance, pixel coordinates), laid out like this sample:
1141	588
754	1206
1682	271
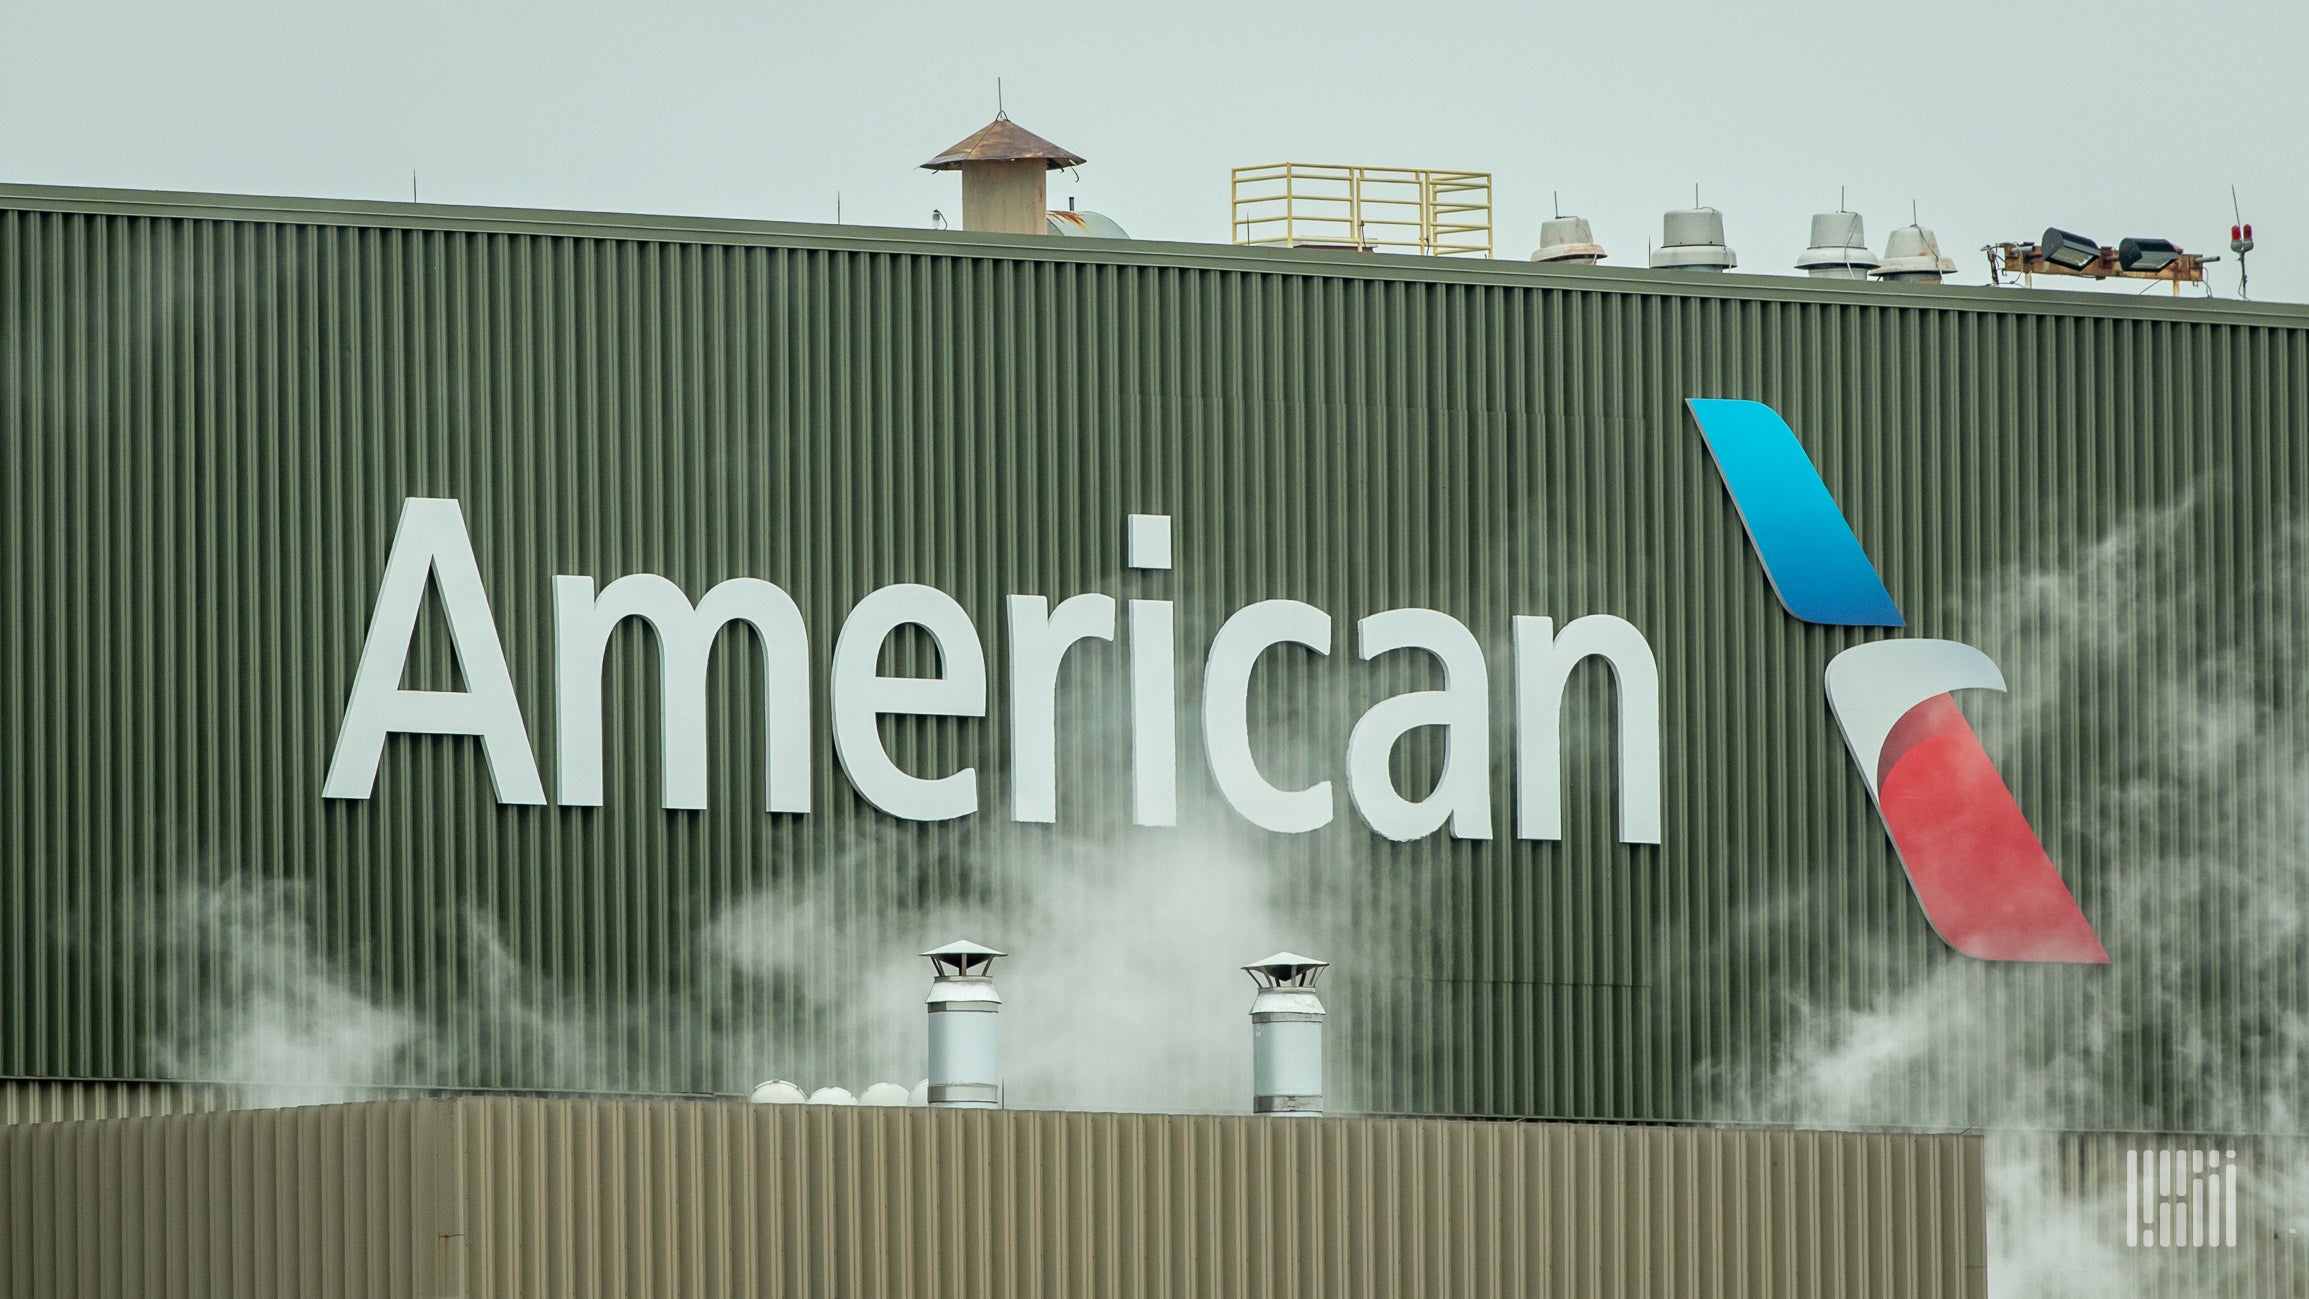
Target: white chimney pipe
965	1067
1287	1037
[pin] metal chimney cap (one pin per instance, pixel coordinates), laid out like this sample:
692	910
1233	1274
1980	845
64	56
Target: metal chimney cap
1003	140
1286	970
962	959
963	947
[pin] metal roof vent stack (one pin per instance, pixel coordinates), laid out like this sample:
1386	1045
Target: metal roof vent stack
1839	248
1005	177
965	1072
1567	239
1287	1036
1692	239
1913	253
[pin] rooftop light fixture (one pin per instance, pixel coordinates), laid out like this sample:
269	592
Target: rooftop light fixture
2146	256
2064	252
2072	251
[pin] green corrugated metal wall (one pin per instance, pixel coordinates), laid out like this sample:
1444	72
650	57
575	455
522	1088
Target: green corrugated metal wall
210	414
70	1101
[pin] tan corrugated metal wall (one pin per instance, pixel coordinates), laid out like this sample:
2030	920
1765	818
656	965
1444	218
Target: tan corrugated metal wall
251	1204
502	1198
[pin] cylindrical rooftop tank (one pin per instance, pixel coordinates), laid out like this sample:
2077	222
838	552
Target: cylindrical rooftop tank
1085	225
1287	1036
1839	248
777	1091
965	1067
1692	239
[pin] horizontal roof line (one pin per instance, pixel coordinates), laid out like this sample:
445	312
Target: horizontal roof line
743	232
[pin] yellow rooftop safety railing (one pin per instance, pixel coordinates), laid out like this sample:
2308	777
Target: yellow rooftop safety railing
1366	209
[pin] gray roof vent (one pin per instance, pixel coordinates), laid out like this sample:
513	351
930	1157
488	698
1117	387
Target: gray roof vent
1692	239
965	1015
1567	239
1287	1036
1913	253
1839	248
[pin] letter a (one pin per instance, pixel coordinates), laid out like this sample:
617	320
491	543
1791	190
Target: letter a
431	544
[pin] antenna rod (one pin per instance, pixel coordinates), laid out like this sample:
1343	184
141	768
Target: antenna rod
2240	243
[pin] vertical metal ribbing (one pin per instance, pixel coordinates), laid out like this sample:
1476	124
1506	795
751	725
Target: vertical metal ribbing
504	1197
210	420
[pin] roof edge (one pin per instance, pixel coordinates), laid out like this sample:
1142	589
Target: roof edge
748	232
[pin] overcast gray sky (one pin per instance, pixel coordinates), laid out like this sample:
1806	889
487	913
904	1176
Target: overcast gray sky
1996	119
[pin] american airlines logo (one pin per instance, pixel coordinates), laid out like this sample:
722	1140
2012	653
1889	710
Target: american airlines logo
1984	880
1978	869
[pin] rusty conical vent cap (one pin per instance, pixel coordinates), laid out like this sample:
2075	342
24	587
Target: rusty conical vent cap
1002	140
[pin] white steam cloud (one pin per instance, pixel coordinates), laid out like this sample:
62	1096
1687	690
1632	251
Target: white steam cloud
2191	799
1123	992
278	1023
